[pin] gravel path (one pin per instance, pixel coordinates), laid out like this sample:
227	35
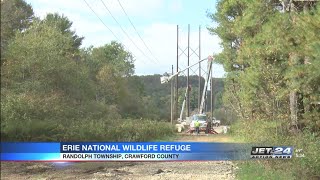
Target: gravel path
175	170
219	170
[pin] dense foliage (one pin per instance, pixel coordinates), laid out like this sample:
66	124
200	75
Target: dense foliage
271	55
52	89
157	95
16	15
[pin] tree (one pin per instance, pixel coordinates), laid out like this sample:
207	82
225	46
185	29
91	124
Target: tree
108	85
111	68
226	16
264	54
114	54
16	15
303	75
63	24
37	61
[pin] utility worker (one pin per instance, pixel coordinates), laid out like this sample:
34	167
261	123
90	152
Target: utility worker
197	125
208	130
225	129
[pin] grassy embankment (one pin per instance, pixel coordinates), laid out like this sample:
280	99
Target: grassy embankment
28	117
91	130
271	133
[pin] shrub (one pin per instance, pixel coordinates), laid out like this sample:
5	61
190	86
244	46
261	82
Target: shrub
273	133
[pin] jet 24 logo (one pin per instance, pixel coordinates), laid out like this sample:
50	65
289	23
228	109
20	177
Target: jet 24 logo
272	152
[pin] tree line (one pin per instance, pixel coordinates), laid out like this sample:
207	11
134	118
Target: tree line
50	84
159	94
272	60
271	52
54	89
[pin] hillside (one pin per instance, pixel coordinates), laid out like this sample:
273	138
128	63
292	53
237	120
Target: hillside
158	95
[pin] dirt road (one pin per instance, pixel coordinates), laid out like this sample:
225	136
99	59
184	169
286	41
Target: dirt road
220	170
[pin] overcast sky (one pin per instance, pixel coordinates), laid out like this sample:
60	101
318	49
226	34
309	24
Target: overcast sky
155	20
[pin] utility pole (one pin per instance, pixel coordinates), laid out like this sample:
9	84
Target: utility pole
212	98
182	51
172	106
177	83
199	83
206	102
188	93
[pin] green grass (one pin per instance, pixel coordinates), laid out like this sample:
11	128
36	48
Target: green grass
167	138
27	117
104	130
264	132
259	171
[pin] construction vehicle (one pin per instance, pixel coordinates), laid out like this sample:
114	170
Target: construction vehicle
165	79
201	116
202	119
215	122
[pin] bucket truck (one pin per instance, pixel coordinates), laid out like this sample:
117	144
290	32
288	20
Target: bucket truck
201	117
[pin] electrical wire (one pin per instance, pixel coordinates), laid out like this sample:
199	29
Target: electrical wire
124	30
136	30
108	28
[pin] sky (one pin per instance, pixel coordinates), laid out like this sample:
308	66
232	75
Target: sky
156	22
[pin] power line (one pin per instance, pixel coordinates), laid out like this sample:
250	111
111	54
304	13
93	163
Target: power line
124	30
136	30
102	21
108	27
